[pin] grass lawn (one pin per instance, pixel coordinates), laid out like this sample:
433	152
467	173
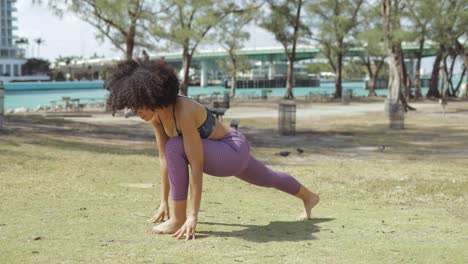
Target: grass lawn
82	196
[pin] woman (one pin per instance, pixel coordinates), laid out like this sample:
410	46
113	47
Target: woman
187	134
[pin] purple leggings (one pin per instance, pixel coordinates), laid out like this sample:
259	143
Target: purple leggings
229	156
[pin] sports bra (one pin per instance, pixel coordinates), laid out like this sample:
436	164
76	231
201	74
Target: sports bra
204	130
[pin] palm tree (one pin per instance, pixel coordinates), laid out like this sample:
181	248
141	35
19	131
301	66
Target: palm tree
39	42
21	42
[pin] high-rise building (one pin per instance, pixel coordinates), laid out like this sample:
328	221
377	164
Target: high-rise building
10	61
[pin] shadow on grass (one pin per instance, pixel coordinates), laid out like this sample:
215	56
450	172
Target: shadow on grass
22	154
24	125
274	231
420	138
96	148
449	140
4	142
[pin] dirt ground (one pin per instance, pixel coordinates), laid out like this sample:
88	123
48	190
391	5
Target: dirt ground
319	126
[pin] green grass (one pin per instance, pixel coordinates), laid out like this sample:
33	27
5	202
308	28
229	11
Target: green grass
88	202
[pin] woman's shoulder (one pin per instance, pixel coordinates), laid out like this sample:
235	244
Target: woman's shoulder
189	109
187	104
156	121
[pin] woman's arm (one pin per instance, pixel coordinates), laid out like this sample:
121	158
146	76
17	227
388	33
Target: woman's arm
161	139
194	151
193	148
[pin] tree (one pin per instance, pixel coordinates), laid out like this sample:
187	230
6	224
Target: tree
231	36
393	34
420	15
455	47
35	66
448	73
284	21
317	67
21	42
335	21
68	60
460	47
448	26
354	69
39	42
242	63
371	39
123	22
185	23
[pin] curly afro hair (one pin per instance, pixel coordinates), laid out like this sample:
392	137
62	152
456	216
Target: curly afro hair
138	84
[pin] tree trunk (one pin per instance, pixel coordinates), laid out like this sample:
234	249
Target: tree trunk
453	91
446	87
187	58
233	85
391	23
395	82
442	85
339	70
457	88
409	82
292	56
372	80
465	61
289	78
406	81
417	77
371	70
130	43
233	76
434	83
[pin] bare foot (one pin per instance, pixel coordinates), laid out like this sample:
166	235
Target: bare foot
168	227
309	203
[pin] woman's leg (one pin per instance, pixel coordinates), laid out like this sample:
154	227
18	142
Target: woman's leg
257	173
226	157
221	158
177	167
236	160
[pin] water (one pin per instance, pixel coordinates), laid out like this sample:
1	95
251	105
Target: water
33	99
17	98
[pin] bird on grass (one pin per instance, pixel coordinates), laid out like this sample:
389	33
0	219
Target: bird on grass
381	148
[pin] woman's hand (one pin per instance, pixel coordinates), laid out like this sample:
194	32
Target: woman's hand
188	229
163	212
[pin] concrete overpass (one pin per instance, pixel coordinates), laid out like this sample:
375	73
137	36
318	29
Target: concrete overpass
266	56
277	53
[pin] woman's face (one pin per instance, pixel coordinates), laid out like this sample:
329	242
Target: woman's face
145	114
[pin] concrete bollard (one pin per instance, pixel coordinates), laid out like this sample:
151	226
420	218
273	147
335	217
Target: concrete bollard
2	110
395	113
463	90
287	118
346	96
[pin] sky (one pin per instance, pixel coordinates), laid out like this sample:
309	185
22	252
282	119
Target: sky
70	36
66	36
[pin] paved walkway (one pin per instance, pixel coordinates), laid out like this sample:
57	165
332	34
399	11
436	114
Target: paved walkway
245	112
316	110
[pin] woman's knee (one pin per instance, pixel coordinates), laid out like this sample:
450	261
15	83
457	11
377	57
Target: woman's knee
174	146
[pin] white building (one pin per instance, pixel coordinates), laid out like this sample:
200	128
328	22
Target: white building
10	62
